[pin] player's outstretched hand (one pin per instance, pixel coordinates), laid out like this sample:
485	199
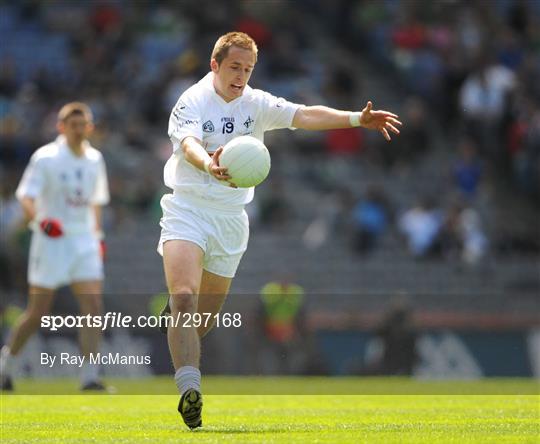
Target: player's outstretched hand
220	173
382	121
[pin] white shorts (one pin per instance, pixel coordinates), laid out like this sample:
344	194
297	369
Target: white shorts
55	262
221	233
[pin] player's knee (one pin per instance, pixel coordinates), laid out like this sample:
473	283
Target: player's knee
183	300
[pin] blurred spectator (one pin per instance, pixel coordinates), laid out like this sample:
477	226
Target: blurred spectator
414	140
473	238
256	28
106	17
12	239
283	60
274	210
484	99
342	87
524	148
397	336
282	318
8	80
510	52
370	217
332	219
411	34
462	234
467	170
484	93
345	141
421	227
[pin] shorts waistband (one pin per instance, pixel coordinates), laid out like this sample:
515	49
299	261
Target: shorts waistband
208	205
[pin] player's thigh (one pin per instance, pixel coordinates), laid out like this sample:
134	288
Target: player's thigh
90	287
213	292
89	295
40	301
182	261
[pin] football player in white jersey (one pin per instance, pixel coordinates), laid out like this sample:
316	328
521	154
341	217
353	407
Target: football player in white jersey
61	192
204	226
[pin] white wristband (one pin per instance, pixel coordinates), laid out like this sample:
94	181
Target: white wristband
207	164
354	119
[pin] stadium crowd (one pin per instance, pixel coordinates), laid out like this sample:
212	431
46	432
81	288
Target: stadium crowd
474	64
466	69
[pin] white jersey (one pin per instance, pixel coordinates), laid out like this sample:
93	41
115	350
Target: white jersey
65	186
202	113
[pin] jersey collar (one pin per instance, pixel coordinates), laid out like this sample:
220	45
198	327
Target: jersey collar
62	144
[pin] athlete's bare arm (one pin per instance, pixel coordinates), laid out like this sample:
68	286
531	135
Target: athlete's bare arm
198	157
29	208
325	118
98	212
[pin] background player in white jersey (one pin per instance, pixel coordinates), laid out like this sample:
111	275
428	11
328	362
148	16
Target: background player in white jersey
204	226
61	192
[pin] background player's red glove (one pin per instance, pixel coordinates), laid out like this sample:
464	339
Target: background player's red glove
51	227
102	249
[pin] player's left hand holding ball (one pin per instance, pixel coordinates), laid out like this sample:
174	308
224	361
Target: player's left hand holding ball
51	227
379	120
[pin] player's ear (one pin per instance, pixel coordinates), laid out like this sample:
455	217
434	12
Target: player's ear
214	66
60	127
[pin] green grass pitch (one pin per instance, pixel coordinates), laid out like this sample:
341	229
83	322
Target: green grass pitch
269	415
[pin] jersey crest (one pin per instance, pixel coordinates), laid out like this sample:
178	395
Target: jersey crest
248	122
208	127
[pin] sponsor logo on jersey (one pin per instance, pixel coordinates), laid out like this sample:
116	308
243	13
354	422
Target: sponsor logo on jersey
248	122
208	127
177	110
186	122
177	113
77	201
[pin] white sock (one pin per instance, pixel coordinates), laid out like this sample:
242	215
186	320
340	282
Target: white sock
89	373
187	378
7	361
